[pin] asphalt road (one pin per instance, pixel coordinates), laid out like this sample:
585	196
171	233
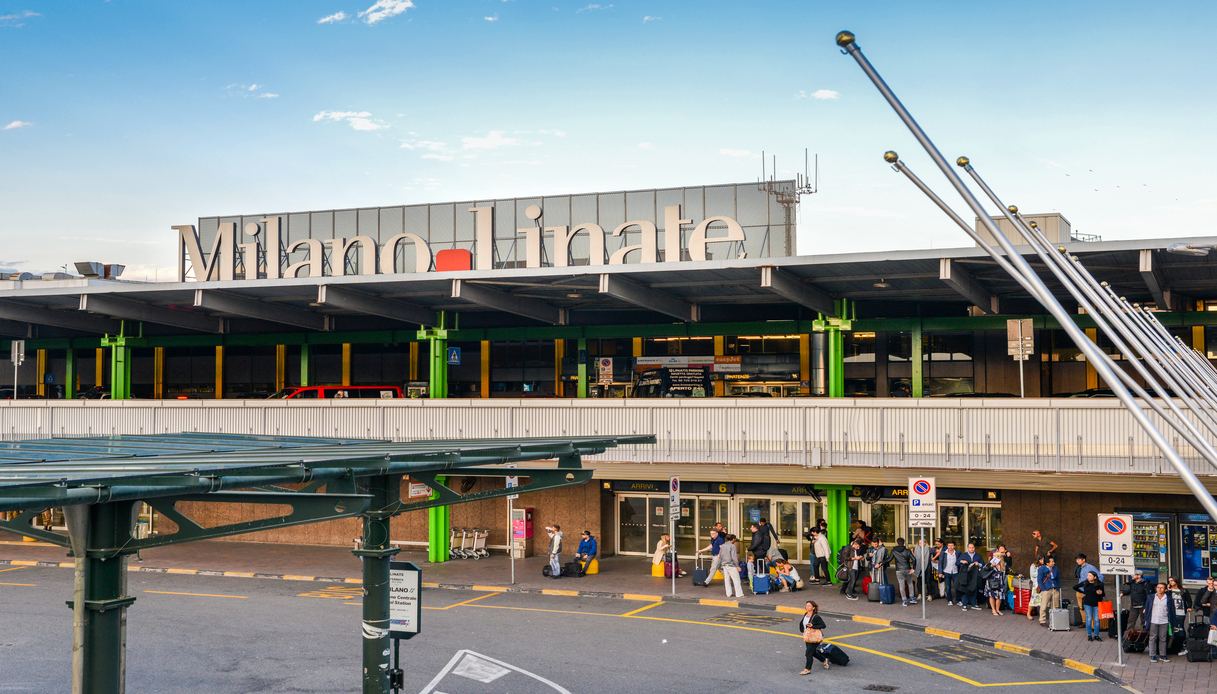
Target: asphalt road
198	633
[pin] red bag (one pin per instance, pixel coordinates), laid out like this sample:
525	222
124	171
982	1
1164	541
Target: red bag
865	585
1022	600
1107	610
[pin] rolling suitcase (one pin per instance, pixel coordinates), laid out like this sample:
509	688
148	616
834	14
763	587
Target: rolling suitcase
760	578
667	568
1058	619
887	591
701	575
1022	600
1177	644
833	654
1198	651
872	591
1136	640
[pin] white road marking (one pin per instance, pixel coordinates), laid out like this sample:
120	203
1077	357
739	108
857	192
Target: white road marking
467	663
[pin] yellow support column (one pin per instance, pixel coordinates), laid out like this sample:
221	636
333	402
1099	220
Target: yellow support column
559	355
1198	338
1092	376
158	373
720	386
346	363
280	367
637	347
805	363
99	367
219	372
413	361
485	354
40	385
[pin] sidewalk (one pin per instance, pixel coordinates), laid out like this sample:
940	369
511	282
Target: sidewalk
630	577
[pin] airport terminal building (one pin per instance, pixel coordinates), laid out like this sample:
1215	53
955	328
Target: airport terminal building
780	386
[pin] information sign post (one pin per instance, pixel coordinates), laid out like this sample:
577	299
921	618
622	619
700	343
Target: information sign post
17	355
923	513
405	611
673	512
512	483
1116	557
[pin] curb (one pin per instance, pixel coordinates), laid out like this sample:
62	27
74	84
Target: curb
1017	649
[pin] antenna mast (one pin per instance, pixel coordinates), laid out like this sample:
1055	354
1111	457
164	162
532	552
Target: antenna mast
805	183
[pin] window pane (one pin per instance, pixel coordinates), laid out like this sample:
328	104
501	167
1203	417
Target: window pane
632	529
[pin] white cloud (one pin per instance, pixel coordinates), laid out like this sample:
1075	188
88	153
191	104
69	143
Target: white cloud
826	95
269	95
646	145
647	19
491	140
17	19
333	18
358	120
17	125
593	7
491	18
255	90
736	152
384	9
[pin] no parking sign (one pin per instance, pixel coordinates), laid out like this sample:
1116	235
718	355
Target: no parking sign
923	502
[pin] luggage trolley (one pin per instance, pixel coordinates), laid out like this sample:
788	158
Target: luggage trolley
479	544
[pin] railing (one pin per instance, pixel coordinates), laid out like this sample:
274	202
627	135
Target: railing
1068	435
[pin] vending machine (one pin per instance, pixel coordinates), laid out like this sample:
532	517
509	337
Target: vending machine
1151	545
1197	546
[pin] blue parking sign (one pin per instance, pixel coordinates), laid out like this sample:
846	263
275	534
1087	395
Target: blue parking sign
454	356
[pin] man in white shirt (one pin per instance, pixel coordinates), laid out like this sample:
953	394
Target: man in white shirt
948	566
1159	612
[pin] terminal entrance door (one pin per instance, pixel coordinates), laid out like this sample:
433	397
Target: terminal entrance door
789	516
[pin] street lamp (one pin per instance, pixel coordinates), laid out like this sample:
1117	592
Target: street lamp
1188	249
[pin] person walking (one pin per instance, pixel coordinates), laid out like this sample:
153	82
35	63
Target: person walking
812	627
728	558
1158	615
1092	593
948	566
555	550
822	553
1048	580
906	572
717	539
1137	590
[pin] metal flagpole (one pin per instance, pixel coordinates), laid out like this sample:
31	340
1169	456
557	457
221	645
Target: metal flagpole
1093	354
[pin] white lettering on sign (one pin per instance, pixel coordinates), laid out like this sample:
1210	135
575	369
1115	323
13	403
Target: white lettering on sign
923	502
259	250
405	599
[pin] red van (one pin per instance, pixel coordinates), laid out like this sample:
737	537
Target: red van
338	392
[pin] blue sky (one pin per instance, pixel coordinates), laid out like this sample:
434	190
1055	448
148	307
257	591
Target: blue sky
119	119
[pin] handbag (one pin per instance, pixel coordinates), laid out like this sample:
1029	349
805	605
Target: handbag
842	573
1107	610
1212	637
813	635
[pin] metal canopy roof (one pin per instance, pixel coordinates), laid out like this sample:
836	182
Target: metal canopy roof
37	473
589	295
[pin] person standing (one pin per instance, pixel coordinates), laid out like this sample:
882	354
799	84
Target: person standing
812	627
728	557
995	583
555	550
773	552
759	547
1137	590
969	578
1048	580
822	553
1159	613
1043	548
1183	607
948	566
1206	597
878	557
1079	574
855	558
1092	593
906	572
923	555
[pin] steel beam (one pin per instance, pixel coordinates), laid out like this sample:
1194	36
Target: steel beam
345	299
105	602
643	296
23	525
502	301
1153	280
220	302
130	309
538	479
955	277
791	289
38	315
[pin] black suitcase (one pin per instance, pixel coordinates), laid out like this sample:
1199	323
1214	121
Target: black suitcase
834	654
1198	650
1176	644
701	575
1111	624
571	569
1136	640
1198	630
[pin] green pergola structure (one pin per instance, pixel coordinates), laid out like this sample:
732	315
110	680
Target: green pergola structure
99	483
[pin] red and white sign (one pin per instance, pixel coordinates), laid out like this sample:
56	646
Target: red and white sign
923	502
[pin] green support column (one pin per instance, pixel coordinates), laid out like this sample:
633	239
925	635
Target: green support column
582	373
109	529
917	364
69	374
437	341
375	552
304	364
838	523
836	363
438	526
120	362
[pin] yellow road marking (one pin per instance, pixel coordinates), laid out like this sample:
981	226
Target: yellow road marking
356	581
712	602
945	633
292	577
872	620
644	608
186	572
20	585
23	562
489	589
15	568
198	595
854	646
641	597
789	609
332	592
67	565
558	591
466	602
430	584
239	574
